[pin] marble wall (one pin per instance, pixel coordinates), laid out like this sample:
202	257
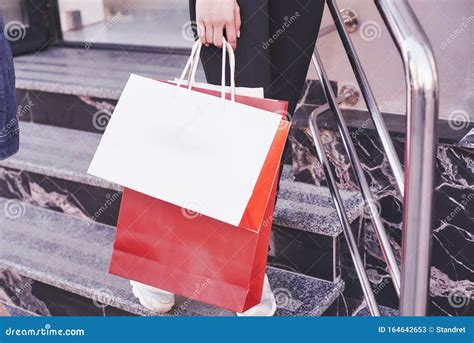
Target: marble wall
22	296
16	297
452	272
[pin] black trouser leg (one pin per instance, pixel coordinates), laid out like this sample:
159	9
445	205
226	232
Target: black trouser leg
294	27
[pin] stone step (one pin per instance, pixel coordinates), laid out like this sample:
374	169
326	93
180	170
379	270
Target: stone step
65	154
72	87
73	254
89	72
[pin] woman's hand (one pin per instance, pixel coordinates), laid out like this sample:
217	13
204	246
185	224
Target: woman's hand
215	16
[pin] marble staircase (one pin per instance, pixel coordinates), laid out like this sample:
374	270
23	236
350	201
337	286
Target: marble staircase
57	222
60	246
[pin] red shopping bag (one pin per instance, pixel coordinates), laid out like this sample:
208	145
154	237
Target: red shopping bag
180	251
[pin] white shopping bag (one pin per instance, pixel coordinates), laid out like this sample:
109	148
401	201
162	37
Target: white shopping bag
194	150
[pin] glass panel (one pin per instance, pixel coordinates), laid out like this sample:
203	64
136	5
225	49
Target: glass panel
14	11
139	22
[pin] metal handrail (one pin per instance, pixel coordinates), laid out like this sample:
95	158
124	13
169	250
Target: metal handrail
341	211
420	151
369	98
359	172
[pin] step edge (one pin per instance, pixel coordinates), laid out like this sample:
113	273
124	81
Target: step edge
136	308
26	84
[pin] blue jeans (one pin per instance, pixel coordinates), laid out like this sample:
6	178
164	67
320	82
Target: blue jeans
9	131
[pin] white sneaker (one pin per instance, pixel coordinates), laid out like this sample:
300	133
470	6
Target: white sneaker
267	306
152	298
